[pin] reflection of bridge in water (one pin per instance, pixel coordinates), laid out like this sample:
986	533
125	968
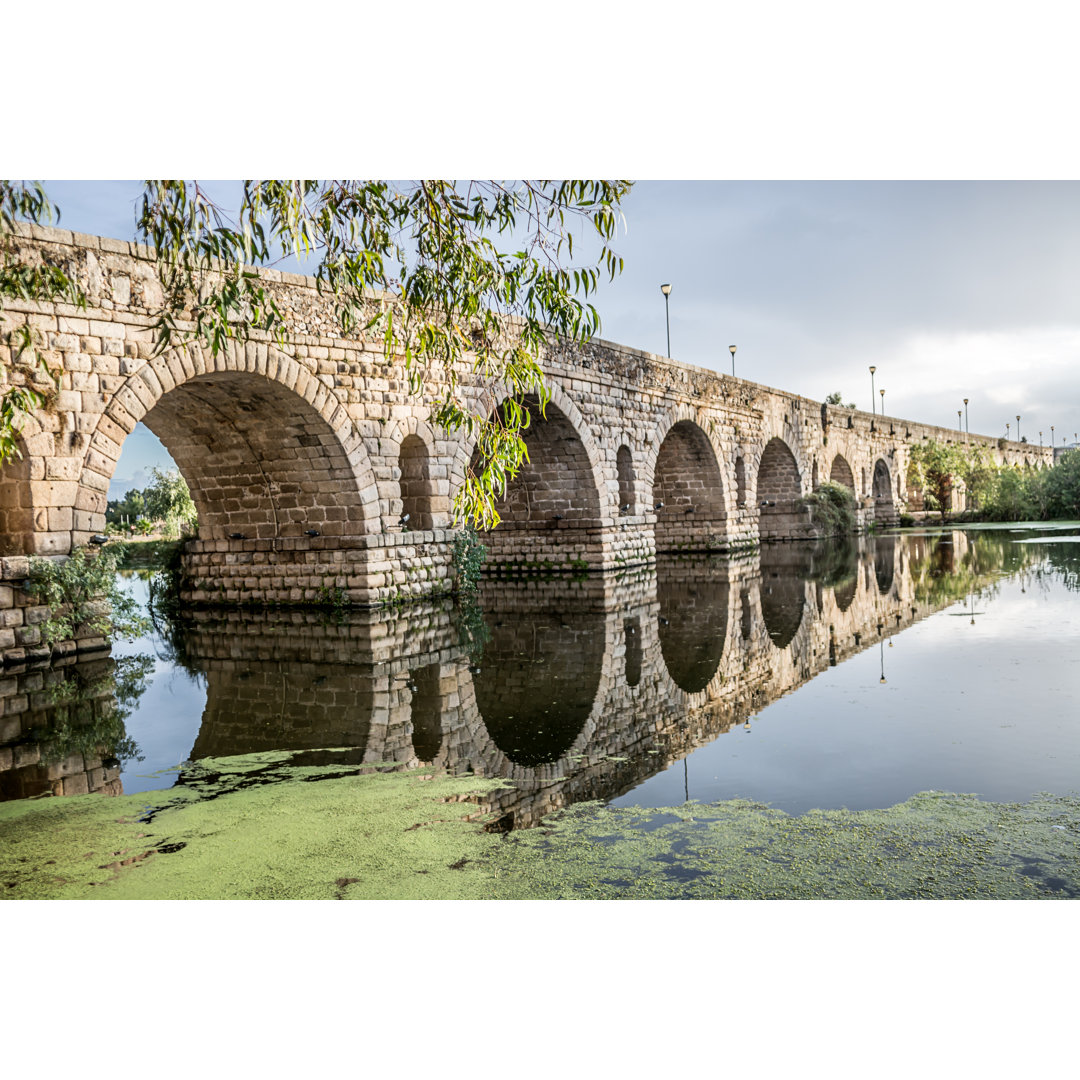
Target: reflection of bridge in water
585	687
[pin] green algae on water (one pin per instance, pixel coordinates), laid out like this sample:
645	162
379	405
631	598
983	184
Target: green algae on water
263	826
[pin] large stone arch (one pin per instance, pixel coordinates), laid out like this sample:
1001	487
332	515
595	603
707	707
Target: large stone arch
551	511
687	486
840	473
779	486
267	449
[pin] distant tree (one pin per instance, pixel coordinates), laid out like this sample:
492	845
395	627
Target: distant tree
836	398
168	500
933	468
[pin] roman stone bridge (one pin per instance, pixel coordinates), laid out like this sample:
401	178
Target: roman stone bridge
303	460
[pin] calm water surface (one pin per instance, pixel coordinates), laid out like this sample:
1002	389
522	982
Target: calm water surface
849	675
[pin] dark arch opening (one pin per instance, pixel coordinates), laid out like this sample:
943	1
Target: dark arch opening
688	493
882	491
784	569
540	669
415	483
840	473
258	459
426	713
778	488
740	481
625	467
551	509
885	562
693	602
632	634
814	477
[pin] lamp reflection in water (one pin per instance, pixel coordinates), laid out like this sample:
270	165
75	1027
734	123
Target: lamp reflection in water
882	679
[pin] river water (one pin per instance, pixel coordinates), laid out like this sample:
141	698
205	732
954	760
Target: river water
838	675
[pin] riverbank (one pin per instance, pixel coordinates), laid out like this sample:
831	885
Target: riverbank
261	827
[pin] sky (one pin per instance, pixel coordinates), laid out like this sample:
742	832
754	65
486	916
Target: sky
951	289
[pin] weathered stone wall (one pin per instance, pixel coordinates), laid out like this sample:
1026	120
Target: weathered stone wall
318	448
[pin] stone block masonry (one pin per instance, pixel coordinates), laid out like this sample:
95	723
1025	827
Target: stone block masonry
304	461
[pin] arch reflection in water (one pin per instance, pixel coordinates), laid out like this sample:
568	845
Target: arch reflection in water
693	596
541	667
784	570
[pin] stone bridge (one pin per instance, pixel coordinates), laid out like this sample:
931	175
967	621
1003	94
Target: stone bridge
585	687
636	455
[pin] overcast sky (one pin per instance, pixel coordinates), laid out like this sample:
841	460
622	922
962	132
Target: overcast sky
951	289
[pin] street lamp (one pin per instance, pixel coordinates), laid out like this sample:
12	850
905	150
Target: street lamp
1051	436
666	290
959	424
1017	427
1040	440
967	426
872	370
1007	430
732	348
882	393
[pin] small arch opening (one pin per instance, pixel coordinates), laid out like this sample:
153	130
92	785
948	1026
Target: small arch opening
415	483
624	465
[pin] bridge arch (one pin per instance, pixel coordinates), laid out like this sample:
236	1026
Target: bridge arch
421	493
779	485
624	467
687	480
840	473
883	491
557	490
266	448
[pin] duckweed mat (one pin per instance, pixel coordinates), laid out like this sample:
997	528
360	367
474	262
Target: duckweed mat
268	826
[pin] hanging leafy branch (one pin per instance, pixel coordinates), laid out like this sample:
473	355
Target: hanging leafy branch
415	263
26	380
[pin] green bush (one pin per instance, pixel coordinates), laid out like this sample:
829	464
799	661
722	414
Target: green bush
832	508
83	595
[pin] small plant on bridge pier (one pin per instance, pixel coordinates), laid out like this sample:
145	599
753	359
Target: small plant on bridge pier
468	558
832	508
84	597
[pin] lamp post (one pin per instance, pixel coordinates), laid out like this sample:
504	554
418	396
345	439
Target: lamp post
1017	427
872	370
1007	425
666	290
959	424
1051	436
1040	440
967	426
732	348
882	393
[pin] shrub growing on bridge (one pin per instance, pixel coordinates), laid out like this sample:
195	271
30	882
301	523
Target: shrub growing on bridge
832	508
